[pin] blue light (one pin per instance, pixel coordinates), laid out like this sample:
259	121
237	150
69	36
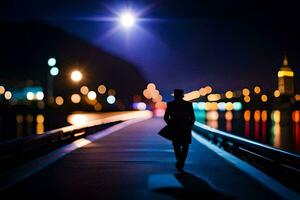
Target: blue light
51	62
195	105
237	106
54	71
222	106
127	19
111	99
201	106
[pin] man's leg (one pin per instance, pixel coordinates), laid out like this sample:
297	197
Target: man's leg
183	154
177	151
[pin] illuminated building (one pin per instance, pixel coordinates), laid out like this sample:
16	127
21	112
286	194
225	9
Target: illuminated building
286	79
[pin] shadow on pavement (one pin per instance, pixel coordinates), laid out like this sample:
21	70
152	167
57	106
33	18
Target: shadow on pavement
193	188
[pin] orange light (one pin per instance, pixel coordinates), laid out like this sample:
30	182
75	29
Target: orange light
257	89
229	94
246	92
264	98
2	89
97	106
147	94
101	89
84	90
256	115
229	106
276	93
247	99
264	115
296	116
228	115
111	92
151	86
214	97
208	89
75	98
59	100
212	115
247	115
191	95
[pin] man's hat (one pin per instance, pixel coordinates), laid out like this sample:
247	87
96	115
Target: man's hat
178	93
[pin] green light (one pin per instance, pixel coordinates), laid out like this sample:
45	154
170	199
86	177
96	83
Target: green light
237	106
54	71
51	62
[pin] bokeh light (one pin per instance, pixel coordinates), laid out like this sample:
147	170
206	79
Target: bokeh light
151	86
264	98
75	98
229	94
246	92
7	95
40	95
97	106
247	99
111	99
59	100
111	92
101	89
257	89
40	118
51	62
76	75
237	106
276	93
30	96
92	95
2	89
84	90
54	71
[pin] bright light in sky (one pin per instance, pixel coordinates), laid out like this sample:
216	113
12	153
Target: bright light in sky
127	19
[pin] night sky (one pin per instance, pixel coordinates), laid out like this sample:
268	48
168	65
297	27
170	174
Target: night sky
186	44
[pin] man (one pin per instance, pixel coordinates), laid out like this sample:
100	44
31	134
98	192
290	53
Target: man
180	118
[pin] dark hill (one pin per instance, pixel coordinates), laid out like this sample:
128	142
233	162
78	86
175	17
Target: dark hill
26	47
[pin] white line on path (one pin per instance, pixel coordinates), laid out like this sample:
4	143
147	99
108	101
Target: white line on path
24	171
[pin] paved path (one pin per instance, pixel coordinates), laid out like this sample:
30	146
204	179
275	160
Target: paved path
136	163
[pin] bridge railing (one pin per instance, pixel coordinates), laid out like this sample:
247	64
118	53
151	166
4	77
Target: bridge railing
17	151
280	164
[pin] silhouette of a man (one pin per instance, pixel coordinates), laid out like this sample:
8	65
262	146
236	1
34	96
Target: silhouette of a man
180	118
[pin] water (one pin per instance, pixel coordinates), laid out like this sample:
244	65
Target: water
15	125
277	128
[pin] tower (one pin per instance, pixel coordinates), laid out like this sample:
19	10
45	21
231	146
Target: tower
285	79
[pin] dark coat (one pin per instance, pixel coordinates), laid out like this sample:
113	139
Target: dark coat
180	117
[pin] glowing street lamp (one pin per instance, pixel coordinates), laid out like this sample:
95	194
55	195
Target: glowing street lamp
127	19
76	76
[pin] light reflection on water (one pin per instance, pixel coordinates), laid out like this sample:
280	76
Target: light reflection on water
25	124
278	128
